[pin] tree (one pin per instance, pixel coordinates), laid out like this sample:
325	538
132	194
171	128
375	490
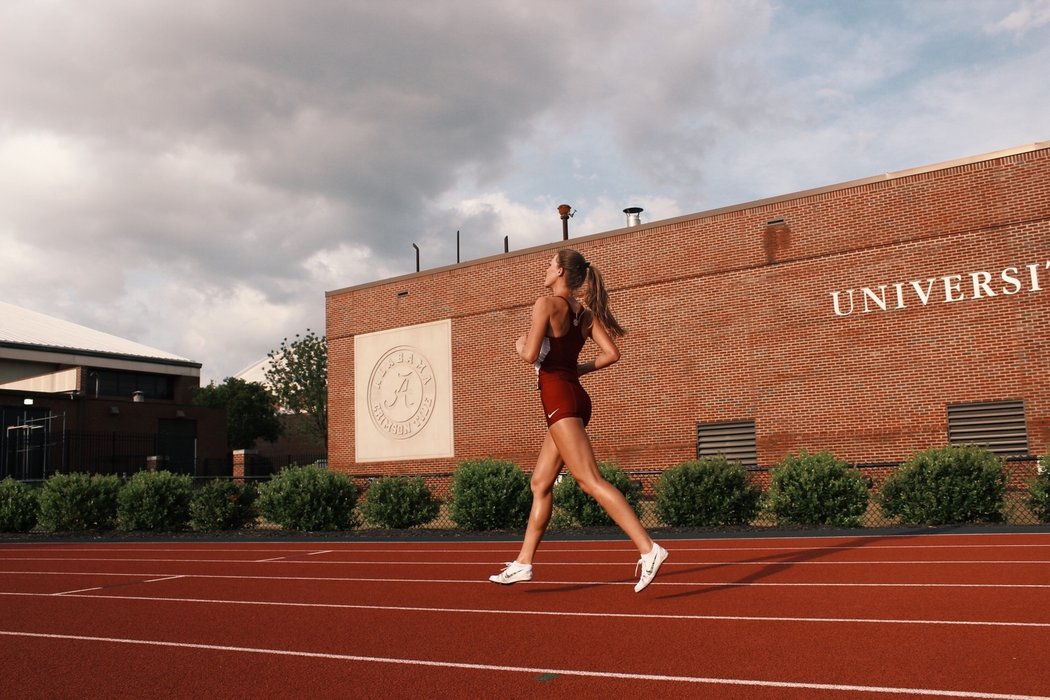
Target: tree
298	376
251	411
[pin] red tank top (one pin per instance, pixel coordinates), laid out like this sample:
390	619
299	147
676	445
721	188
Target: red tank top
565	351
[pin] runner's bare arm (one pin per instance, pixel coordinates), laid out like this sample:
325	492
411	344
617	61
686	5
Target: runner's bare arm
528	345
608	352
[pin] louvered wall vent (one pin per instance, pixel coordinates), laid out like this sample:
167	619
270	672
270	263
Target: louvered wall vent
735	441
998	426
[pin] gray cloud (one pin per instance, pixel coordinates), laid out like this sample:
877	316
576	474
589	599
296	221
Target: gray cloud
195	175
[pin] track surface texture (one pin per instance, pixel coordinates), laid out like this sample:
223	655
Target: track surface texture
876	616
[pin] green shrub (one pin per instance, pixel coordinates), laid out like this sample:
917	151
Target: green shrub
946	485
1039	491
399	502
309	498
580	508
706	492
70	502
816	489
156	500
489	494
223	505
18	506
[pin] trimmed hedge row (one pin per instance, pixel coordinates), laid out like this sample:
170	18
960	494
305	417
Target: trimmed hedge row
79	502
816	489
309	498
154	501
19	506
147	501
223	505
489	494
946	486
399	502
706	492
935	487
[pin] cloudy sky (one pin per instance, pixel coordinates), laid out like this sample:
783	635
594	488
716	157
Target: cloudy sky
194	175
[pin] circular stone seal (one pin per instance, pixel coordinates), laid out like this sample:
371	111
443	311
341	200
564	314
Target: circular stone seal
401	392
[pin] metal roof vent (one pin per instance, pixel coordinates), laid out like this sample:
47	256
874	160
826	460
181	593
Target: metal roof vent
634	217
566	212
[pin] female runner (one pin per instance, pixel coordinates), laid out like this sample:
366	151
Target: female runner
560	325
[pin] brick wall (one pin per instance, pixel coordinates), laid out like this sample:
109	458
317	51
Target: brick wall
731	317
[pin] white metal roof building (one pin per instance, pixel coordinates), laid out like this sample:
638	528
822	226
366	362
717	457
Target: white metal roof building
37	353
77	399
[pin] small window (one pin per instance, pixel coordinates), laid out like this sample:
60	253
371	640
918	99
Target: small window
998	426
114	383
734	441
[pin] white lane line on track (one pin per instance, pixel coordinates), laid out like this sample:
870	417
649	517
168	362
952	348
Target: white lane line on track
283	559
554	613
486	582
924	692
673	546
79	590
99	588
490	562
175	547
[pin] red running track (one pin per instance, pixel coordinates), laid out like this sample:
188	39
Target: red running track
816	617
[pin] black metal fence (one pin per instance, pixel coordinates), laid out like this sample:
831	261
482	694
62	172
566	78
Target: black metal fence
262	467
35	455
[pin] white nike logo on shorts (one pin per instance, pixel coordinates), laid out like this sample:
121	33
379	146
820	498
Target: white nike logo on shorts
551	414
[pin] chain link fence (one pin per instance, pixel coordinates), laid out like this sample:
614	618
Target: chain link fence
34	455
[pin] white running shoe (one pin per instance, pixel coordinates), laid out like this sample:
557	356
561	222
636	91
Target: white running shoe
513	573
650	564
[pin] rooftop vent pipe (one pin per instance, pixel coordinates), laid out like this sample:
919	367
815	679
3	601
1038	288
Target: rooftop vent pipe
633	216
565	211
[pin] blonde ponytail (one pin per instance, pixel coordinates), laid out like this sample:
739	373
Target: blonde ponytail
579	272
597	300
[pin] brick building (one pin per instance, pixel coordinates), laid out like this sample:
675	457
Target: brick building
76	399
872	318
